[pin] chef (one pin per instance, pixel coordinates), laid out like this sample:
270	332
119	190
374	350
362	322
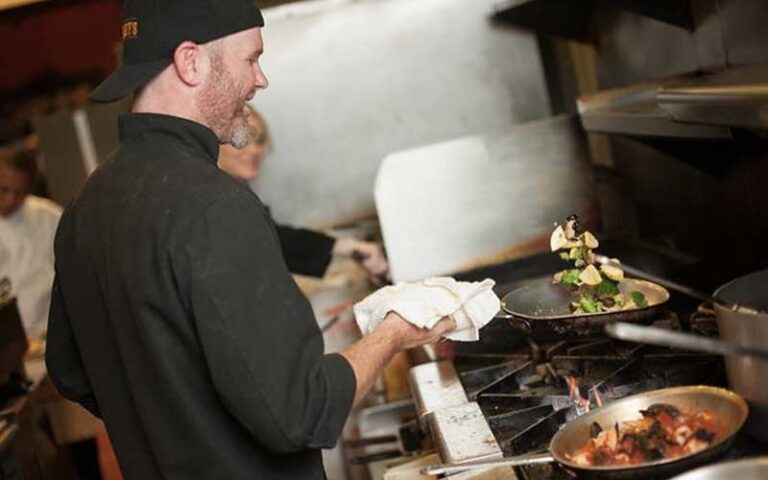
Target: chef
27	227
174	317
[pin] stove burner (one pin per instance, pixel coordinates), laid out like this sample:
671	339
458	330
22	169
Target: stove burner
524	392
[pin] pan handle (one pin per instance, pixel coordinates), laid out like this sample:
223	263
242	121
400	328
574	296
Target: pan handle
501	462
516	322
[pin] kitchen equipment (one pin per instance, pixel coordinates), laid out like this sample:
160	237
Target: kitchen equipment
455	205
747	469
715	299
747	376
740	307
528	386
666	338
727	406
408	441
539	306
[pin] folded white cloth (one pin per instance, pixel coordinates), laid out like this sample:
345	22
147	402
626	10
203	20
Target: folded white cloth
471	305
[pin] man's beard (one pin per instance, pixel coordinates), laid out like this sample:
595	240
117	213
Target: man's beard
241	135
221	104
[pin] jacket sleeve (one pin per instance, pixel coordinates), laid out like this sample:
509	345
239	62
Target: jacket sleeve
259	336
62	357
306	252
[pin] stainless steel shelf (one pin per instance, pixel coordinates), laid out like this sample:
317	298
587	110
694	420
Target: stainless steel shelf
634	111
690	106
734	98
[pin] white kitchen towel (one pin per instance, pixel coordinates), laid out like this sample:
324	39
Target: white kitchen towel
471	305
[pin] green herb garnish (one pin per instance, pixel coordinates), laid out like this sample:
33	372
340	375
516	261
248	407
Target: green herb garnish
571	277
639	299
589	305
608	288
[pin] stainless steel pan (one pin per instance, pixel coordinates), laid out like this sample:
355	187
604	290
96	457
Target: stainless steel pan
538	306
729	407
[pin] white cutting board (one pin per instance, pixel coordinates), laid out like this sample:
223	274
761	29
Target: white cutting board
482	199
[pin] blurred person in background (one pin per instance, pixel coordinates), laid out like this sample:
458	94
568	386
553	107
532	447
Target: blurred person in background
27	228
306	252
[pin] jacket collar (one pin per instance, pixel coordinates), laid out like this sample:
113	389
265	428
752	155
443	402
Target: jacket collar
152	127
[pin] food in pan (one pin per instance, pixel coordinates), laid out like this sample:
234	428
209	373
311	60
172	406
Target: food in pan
594	290
664	431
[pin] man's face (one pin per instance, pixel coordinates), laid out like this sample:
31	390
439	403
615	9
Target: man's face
14	188
235	75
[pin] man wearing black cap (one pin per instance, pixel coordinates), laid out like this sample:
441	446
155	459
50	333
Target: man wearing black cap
174	317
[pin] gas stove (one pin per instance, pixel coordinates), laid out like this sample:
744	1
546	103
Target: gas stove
515	401
509	393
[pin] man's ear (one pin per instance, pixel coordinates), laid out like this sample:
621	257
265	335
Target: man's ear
191	63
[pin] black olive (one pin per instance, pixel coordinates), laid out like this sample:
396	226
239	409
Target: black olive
704	435
656	429
654	454
659	408
629	443
595	429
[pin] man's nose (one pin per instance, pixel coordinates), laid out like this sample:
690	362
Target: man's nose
261	79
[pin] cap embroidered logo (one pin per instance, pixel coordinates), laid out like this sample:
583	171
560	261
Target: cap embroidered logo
130	29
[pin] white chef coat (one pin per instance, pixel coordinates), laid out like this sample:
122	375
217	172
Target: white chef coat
26	258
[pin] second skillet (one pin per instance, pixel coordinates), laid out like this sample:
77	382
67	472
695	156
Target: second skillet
539	306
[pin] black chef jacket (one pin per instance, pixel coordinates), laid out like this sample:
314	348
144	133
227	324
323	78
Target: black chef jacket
175	319
306	252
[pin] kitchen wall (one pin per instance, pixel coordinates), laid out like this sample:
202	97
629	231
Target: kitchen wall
66	39
352	81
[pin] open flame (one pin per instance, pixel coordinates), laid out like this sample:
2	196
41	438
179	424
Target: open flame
581	403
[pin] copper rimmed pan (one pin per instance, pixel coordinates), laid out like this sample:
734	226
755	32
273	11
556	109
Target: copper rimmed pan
538	306
725	405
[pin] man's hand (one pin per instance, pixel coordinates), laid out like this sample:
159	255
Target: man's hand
369	254
409	336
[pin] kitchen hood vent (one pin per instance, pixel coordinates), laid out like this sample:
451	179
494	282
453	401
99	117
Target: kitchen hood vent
570	18
691	106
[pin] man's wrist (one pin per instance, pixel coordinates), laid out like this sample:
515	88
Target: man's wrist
389	334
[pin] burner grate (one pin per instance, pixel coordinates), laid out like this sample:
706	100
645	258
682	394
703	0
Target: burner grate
523	392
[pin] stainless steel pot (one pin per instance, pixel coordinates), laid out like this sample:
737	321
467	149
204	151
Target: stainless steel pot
748	376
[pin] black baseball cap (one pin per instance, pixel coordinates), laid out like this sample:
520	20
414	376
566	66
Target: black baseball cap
152	29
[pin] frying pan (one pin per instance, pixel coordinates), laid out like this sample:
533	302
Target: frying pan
725	405
539	306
